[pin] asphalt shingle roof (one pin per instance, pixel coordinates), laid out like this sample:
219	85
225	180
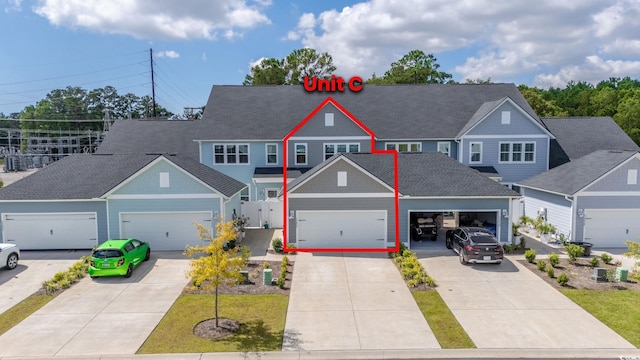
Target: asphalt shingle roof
424	174
423	111
579	136
89	176
569	178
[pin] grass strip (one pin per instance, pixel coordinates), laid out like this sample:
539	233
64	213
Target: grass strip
444	325
619	310
261	317
22	310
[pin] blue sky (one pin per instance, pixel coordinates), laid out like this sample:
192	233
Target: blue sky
49	44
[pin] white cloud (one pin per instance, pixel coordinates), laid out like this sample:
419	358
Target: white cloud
195	19
13	5
257	62
594	69
497	40
204	56
168	53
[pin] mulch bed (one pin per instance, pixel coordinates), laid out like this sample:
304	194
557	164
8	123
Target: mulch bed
207	329
580	274
255	284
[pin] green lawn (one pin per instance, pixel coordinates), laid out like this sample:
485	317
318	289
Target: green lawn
22	310
262	319
619	310
445	327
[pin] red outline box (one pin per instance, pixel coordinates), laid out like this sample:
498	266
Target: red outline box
285	223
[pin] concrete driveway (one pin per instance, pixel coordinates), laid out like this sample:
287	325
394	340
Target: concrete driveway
101	316
34	267
506	306
352	302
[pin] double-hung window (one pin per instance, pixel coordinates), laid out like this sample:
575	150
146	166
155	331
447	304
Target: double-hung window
404	147
475	153
444	147
301	154
231	154
332	149
517	152
272	154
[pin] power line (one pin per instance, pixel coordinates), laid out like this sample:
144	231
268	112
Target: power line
73	75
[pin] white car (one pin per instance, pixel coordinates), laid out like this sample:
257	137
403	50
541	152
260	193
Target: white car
9	255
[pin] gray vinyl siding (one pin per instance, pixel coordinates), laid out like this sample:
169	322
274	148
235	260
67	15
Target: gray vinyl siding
357	182
510	172
99	207
343	204
559	211
436	205
601	202
342	125
116	206
148	182
315	150
520	123
617	180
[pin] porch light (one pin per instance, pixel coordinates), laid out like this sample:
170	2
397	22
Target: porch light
505	213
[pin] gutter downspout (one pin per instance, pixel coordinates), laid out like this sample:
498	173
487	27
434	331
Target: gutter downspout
572	230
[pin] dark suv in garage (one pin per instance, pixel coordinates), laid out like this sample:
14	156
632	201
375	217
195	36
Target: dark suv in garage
475	245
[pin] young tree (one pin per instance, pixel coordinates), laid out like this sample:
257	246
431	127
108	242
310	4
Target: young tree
267	72
212	264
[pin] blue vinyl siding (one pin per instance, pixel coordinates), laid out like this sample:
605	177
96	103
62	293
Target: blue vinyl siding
315	149
617	180
99	207
520	124
437	205
148	182
257	154
116	206
261	189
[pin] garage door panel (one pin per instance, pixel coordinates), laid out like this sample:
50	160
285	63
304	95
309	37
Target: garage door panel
341	229
51	230
611	227
164	231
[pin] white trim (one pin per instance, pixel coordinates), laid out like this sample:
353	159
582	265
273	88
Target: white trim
631	157
266	154
237	154
248	187
295	154
165	181
269	180
514	136
506	117
342	179
542	190
546	164
632	176
163	196
328	119
339	195
335	149
522	152
448	143
108	221
397	146
337	138
266	193
53	201
409	197
610	193
471	152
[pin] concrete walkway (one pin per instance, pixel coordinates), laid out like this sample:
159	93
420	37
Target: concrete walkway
352	302
508	307
102	316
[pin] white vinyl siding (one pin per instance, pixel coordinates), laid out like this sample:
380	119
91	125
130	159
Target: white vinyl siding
404	146
231	153
332	149
517	152
475	153
271	151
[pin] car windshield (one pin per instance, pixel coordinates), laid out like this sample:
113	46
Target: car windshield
107	253
482	238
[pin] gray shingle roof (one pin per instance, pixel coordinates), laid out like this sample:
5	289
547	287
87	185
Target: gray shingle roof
152	137
87	176
425	174
579	136
573	176
392	111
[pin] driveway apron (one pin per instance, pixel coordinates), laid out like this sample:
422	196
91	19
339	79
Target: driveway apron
100	316
352	302
506	306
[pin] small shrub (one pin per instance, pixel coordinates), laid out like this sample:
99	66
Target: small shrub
530	255
292	249
523	243
551	272
277	245
574	252
65	279
541	265
610	275
563	279
281	282
431	282
554	259
285	261
595	261
562	239
266	265
606	258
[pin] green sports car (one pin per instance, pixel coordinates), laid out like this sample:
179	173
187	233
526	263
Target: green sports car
118	257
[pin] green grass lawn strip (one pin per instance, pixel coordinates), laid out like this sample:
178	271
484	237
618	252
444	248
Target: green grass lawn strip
444	325
22	310
262	319
619	310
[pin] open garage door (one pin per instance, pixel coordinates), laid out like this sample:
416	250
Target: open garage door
48	231
165	231
485	219
356	229
611	227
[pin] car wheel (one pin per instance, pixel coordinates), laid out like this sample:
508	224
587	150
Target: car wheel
12	261
129	271
448	243
462	260
148	255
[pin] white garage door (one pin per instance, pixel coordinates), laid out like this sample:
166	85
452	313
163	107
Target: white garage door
46	231
165	231
610	228
341	229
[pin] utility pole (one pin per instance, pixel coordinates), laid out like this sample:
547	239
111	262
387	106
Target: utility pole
153	85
